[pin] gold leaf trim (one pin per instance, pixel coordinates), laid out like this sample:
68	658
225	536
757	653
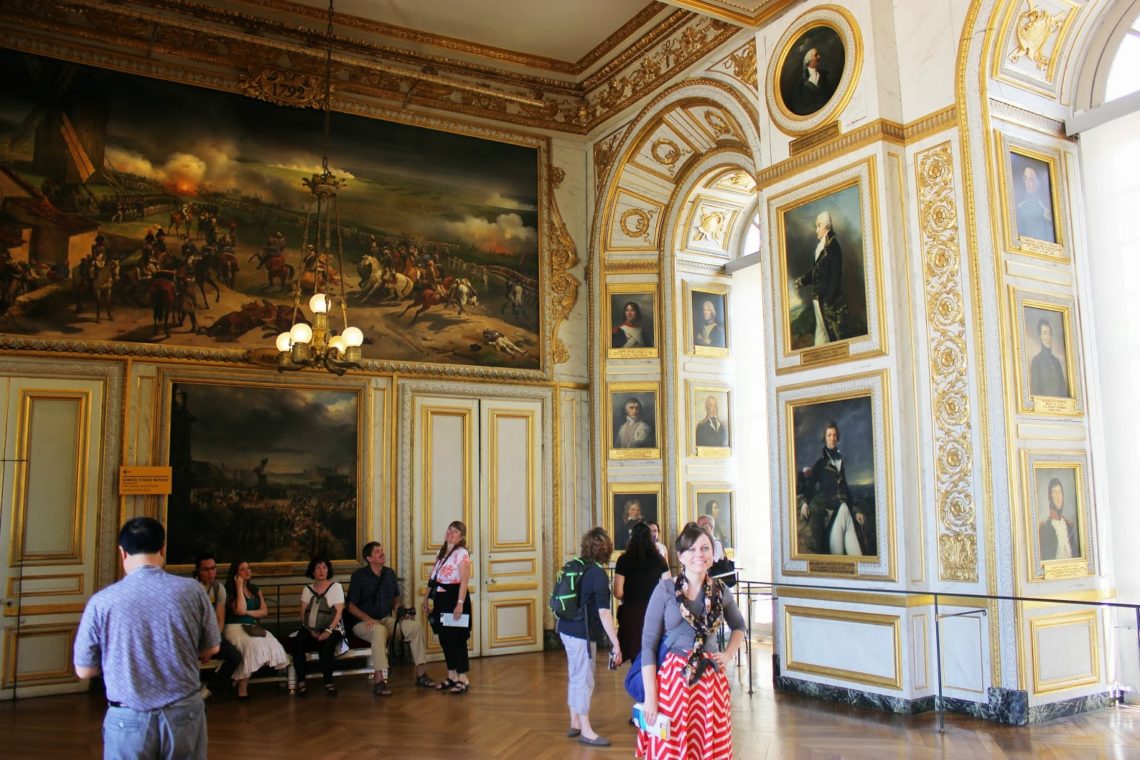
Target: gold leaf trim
563	285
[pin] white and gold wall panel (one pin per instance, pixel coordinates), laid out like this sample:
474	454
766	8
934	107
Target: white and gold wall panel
1065	654
59	514
863	648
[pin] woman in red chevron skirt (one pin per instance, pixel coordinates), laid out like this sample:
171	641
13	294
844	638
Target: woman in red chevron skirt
691	687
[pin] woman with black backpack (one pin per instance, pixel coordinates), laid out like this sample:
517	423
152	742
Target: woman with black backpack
579	634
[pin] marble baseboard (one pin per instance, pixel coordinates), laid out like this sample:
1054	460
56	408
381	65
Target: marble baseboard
1067	707
855	697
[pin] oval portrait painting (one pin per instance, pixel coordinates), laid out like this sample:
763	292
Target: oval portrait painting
811	70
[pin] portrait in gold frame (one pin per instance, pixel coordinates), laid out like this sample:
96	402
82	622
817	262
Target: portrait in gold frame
1056	518
1033	199
811	79
706	319
845	321
631	503
710	419
635	419
858	406
1046	355
634	324
717	500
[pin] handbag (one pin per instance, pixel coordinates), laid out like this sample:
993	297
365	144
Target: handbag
254	631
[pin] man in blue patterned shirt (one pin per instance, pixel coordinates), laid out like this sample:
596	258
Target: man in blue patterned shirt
146	635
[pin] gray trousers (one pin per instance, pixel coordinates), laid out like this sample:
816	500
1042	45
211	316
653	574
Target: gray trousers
580	655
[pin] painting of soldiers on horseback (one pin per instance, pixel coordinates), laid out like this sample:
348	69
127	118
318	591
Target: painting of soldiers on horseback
140	211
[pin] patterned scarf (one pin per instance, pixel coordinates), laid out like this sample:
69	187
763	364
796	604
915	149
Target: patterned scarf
703	626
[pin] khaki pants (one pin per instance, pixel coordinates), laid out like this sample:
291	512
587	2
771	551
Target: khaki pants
379	633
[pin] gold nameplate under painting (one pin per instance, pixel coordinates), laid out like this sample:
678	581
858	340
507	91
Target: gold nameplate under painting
1067	568
1042	247
812	139
144	481
1051	405
832	568
826	353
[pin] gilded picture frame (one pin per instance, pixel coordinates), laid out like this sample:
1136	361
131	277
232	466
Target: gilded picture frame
1034	194
811	78
635	419
110	255
819	538
1048	377
634	320
706	307
628	504
1057	516
710	429
826	292
717	500
239	471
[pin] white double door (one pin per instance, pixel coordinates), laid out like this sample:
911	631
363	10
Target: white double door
480	460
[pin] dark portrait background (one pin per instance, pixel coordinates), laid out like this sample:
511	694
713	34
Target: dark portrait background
799	252
645	301
833	58
648	514
724	523
856	442
697	313
1068	478
648	401
265	473
1027	224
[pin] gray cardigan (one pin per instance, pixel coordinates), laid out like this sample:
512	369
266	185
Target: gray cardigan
663	618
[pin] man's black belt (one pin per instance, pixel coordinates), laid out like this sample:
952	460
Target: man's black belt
113	703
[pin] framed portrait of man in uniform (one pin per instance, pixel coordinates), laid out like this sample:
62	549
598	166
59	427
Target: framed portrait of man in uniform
706	320
1048	378
633	320
1057	517
710	414
630	504
1033	196
837	478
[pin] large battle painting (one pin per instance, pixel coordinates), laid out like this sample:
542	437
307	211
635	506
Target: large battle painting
265	473
137	210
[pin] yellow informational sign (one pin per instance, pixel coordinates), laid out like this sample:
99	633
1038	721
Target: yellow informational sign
138	481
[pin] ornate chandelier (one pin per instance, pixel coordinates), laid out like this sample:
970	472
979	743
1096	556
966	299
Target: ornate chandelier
305	344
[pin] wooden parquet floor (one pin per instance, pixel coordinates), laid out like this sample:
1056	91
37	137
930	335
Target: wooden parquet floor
516	711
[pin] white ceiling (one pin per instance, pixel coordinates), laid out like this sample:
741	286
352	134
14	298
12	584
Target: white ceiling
565	30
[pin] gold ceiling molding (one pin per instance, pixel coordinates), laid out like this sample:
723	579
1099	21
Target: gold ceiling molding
946	333
1026	118
563	285
605	150
750	14
872	132
633	266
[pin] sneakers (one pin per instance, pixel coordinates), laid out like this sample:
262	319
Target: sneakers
380	689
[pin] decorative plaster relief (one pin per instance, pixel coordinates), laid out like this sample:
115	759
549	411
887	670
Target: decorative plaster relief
563	285
946	334
740	64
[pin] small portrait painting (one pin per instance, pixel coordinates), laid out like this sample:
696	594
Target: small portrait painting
708	319
1046	351
1033	197
824	258
811	70
1057	513
834	500
709	410
634	415
715	511
632	326
629	509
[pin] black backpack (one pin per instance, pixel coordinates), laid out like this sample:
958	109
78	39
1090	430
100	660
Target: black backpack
565	600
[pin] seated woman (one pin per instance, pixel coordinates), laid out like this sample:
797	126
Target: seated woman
245	605
322	611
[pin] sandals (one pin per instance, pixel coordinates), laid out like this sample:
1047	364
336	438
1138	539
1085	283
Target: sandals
380	689
459	688
423	680
302	690
445	685
330	690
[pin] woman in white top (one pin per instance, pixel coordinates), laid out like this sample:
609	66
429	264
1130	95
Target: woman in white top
322	610
449	602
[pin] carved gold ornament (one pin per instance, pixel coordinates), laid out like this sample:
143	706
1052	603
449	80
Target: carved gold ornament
946	334
284	88
563	285
741	64
1034	28
557	175
665	151
635	222
604	153
717	123
711	226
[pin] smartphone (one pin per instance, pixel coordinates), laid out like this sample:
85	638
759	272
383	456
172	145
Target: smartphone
613	664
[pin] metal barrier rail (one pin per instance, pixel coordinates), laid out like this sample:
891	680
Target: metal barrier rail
936	596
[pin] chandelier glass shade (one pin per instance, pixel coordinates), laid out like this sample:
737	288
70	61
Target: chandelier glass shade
321	274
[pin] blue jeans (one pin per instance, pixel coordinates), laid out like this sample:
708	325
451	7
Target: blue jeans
174	732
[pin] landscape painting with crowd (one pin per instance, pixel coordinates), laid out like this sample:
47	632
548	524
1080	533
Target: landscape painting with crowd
137	210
